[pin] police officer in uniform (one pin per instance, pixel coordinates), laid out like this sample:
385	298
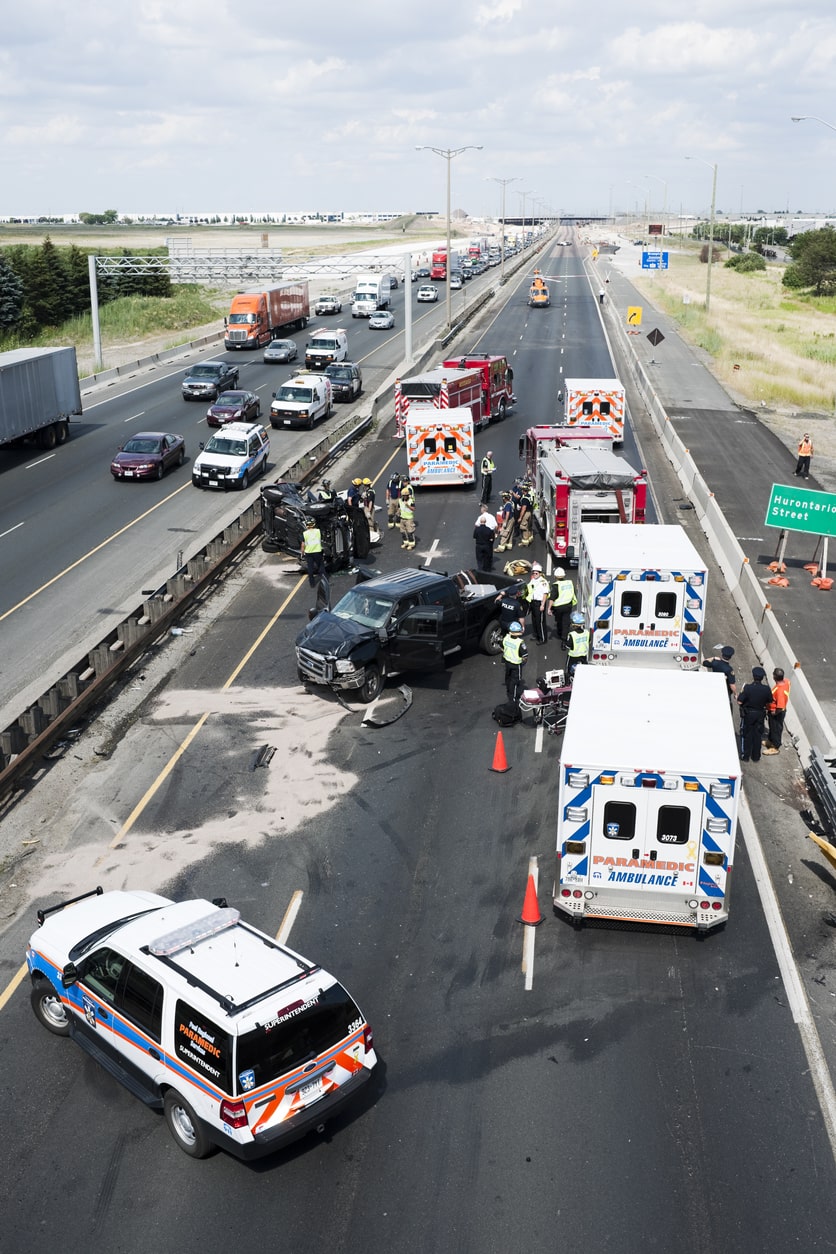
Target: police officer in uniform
514	654
511	608
753	702
312	550
537	596
577	647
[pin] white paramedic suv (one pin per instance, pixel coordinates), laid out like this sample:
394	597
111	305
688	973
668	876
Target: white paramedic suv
237	1039
233	457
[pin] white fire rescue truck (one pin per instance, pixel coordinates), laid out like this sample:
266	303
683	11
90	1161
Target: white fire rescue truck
538	441
596	403
440	445
648	797
574	486
642	591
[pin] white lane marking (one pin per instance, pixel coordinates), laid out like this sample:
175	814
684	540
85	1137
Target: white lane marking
134	417
538	738
3	534
290	916
431	552
39	462
790	975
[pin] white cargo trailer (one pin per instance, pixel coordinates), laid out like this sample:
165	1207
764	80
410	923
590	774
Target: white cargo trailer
648	797
39	395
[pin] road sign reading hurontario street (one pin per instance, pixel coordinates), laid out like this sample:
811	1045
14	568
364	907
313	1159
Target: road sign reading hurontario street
802	509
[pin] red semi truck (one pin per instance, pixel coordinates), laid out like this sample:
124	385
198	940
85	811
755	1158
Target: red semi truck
258	316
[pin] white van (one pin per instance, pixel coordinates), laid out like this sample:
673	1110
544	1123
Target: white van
240	1041
324	346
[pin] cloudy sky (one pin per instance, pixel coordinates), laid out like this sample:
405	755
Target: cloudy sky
189	105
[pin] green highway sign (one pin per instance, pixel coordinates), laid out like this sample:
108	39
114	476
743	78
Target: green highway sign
802	509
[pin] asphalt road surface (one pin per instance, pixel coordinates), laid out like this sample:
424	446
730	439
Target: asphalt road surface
649	1092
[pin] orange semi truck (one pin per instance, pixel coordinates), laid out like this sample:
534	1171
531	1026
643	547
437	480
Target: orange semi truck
258	316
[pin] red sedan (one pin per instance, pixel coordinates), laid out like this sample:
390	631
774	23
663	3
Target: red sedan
148	455
234	407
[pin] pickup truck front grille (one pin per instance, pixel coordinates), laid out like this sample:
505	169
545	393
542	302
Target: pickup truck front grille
316	665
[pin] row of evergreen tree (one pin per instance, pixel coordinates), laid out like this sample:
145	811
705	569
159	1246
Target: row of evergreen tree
42	286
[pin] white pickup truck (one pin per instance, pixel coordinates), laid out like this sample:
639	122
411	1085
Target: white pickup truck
301	401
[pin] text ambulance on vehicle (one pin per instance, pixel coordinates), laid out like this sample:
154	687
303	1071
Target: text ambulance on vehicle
647	800
240	1041
440	446
642	591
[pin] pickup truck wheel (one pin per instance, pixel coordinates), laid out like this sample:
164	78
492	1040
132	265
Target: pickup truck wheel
245	481
372	684
49	1009
491	642
185	1127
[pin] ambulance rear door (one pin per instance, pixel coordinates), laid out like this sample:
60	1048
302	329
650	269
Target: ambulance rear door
647	613
645	838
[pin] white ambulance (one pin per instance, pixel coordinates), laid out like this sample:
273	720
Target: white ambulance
237	1039
642	590
596	403
440	445
648	798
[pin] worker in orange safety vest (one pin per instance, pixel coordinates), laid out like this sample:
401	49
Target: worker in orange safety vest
776	711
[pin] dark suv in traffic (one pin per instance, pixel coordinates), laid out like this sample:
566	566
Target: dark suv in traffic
207	379
346	380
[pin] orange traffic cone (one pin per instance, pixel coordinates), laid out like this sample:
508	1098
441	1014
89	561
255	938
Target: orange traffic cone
531	910
824	584
813	567
500	762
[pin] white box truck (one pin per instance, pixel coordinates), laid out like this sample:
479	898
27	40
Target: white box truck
371	292
642	591
39	395
647	799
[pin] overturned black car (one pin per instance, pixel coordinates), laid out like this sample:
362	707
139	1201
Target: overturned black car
344	529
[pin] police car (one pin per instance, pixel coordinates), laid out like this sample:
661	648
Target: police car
240	1041
233	457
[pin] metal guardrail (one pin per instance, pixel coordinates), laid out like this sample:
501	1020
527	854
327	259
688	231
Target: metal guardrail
821	779
29	739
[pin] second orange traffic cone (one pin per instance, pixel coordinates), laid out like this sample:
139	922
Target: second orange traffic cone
500	762
531	910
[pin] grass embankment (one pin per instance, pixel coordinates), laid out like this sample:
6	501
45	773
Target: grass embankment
131	319
783	342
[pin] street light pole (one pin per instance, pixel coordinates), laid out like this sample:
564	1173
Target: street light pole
712	165
809	117
504	183
448	154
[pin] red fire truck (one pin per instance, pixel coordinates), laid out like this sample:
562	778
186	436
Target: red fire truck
578	485
538	441
446	388
497	395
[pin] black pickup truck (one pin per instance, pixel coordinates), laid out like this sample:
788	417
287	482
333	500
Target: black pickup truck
408	620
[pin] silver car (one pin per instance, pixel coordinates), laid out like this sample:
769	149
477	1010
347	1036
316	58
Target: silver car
279	351
382	320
